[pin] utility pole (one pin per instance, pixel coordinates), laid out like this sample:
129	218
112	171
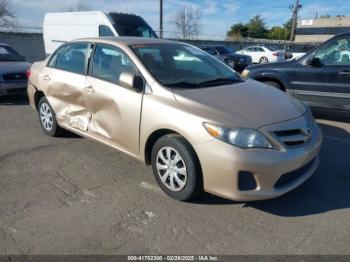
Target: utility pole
161	18
295	8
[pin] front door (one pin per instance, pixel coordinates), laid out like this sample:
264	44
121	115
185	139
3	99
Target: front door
327	84
115	110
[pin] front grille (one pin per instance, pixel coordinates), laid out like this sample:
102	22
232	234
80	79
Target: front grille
290	177
14	77
293	137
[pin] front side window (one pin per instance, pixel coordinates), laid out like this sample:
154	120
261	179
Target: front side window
109	62
336	52
104	31
8	54
179	65
71	58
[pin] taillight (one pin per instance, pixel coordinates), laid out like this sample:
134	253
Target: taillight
274	54
28	73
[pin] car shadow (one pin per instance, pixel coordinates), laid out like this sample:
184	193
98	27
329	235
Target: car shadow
18	99
326	190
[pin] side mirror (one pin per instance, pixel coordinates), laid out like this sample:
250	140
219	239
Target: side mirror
131	81
314	61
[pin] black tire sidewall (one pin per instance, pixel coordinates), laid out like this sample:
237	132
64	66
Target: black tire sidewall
193	185
55	129
263	58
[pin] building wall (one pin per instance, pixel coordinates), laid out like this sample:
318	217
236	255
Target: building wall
30	45
321	29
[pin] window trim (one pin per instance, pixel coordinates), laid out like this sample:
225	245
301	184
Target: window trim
92	57
64	46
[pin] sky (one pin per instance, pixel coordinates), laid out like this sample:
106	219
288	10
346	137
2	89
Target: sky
217	15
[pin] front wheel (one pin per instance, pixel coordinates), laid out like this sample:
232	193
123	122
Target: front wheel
176	168
47	118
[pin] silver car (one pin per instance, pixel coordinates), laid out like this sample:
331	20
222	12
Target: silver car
13	71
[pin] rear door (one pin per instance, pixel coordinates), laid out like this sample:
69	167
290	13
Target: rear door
115	110
326	85
63	82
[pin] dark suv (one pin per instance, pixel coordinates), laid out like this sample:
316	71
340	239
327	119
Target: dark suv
321	78
236	61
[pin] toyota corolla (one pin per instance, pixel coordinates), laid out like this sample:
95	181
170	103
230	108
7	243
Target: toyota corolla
199	124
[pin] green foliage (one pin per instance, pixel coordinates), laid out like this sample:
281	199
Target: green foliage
256	28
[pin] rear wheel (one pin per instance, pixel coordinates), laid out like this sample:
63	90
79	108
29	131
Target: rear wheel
47	118
263	60
176	168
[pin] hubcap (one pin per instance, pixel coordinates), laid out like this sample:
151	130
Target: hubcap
46	116
171	168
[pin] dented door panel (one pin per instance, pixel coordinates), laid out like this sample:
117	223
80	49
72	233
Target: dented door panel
115	114
65	92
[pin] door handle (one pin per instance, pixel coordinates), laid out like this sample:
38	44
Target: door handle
90	89
46	77
344	73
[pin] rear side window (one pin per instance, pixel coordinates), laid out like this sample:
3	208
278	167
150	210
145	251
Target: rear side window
104	31
71	58
109	62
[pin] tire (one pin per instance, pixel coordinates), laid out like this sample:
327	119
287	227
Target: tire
263	60
47	118
187	184
274	84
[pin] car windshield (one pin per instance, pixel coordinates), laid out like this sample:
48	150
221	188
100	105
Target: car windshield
184	66
223	50
8	54
131	25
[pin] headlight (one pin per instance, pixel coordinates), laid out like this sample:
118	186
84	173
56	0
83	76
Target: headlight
242	137
245	73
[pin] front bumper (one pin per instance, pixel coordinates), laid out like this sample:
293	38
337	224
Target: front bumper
19	87
221	164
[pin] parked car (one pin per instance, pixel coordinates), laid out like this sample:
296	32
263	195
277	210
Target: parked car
236	61
169	104
321	78
13	67
66	26
263	54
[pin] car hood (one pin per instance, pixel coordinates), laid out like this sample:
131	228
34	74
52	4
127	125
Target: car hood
249	104
13	67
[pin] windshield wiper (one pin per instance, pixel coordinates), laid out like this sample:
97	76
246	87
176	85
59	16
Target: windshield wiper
182	84
219	81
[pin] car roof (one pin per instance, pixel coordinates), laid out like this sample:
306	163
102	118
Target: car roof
127	40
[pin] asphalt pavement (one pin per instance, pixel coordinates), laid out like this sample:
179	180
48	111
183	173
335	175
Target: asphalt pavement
69	195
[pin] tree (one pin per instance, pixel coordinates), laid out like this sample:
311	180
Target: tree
7	13
288	28
81	5
277	32
325	16
257	27
187	21
238	31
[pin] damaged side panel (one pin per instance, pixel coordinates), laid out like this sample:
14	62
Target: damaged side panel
115	114
65	92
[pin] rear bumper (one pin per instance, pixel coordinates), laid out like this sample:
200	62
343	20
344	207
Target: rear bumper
222	164
13	87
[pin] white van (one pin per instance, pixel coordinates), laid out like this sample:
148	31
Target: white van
62	27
